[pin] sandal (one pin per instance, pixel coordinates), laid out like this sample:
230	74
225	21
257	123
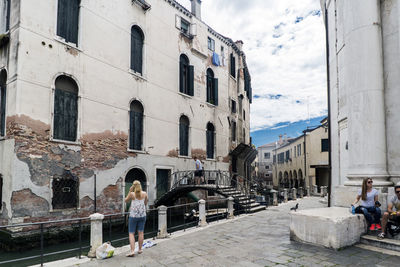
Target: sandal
131	254
381	236
140	251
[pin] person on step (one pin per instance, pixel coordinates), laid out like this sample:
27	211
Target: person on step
393	212
369	205
137	215
198	173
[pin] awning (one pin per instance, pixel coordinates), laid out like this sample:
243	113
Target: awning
244	152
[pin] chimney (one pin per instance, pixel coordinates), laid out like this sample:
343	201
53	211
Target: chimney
284	137
196	8
280	139
239	44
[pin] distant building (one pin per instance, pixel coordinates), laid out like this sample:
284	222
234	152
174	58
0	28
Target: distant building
303	161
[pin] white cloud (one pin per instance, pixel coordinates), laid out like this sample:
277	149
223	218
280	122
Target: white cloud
284	57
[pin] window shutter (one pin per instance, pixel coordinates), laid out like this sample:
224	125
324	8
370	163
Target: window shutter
139	54
2	110
210	144
215	87
183	139
181	76
73	21
137	130
131	129
191	80
58	117
61	18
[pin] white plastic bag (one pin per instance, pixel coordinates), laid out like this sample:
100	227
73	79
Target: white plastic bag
105	251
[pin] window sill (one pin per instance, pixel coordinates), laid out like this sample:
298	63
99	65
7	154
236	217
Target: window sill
136	151
78	143
232	77
185	95
184	157
69	210
137	75
71	45
207	159
211	105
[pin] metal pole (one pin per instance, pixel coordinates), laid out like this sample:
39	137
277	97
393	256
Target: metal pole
95	195
80	238
109	228
329	107
41	244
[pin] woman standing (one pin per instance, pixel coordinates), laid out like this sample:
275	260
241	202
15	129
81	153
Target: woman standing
369	204
137	215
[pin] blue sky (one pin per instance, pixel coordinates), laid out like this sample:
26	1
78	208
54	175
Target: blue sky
284	42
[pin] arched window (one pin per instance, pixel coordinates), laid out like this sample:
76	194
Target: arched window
184	136
212	88
65	109
136	125
210	136
137	38
186	76
3	82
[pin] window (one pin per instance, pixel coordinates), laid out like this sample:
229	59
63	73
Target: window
68	20
3	81
287	155
65	109
324	145
4	16
212	88
281	157
184	136
185	26
274	159
136	126
222	56
137	38
233	106
244	115
267	175
233	131
210	140
211	43
294	152
267	167
65	191
298	149
233	65
186	76
267	155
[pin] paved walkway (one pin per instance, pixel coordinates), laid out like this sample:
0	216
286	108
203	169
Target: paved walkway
260	239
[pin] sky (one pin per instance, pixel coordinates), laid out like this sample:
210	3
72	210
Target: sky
284	43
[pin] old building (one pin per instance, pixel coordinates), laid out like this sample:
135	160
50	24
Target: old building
364	86
105	92
303	161
264	170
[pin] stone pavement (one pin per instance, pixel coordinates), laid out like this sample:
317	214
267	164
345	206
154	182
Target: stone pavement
260	239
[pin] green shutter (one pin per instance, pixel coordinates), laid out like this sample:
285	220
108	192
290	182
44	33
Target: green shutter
181	76
215	87
191	80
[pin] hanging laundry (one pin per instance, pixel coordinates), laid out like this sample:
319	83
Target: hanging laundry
215	59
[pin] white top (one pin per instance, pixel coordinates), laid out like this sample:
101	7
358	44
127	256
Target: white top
370	201
138	208
198	165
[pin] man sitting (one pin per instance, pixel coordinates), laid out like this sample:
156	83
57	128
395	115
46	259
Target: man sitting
393	212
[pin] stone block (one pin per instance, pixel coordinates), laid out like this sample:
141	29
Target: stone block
331	227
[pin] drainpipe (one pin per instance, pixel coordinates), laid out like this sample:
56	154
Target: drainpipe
329	108
305	158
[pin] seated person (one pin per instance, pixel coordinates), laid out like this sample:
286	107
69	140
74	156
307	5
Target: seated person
393	212
368	207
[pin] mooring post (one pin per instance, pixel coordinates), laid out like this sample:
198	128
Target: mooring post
202	212
301	193
285	195
294	193
230	207
162	222
96	233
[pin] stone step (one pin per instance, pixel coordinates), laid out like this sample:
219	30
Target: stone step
257	208
387	243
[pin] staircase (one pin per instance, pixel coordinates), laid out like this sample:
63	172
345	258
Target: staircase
391	244
248	204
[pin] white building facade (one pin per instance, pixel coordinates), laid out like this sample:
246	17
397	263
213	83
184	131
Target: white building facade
364	82
105	92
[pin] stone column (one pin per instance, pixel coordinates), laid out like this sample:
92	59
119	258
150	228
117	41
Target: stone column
285	195
230	208
294	192
315	189
96	233
275	198
308	191
162	222
301	193
364	81
202	212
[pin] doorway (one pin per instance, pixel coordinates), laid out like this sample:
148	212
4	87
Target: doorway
162	179
132	175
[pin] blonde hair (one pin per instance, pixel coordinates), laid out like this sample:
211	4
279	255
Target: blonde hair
137	188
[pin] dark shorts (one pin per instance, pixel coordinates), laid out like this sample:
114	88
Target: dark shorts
198	173
136	223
